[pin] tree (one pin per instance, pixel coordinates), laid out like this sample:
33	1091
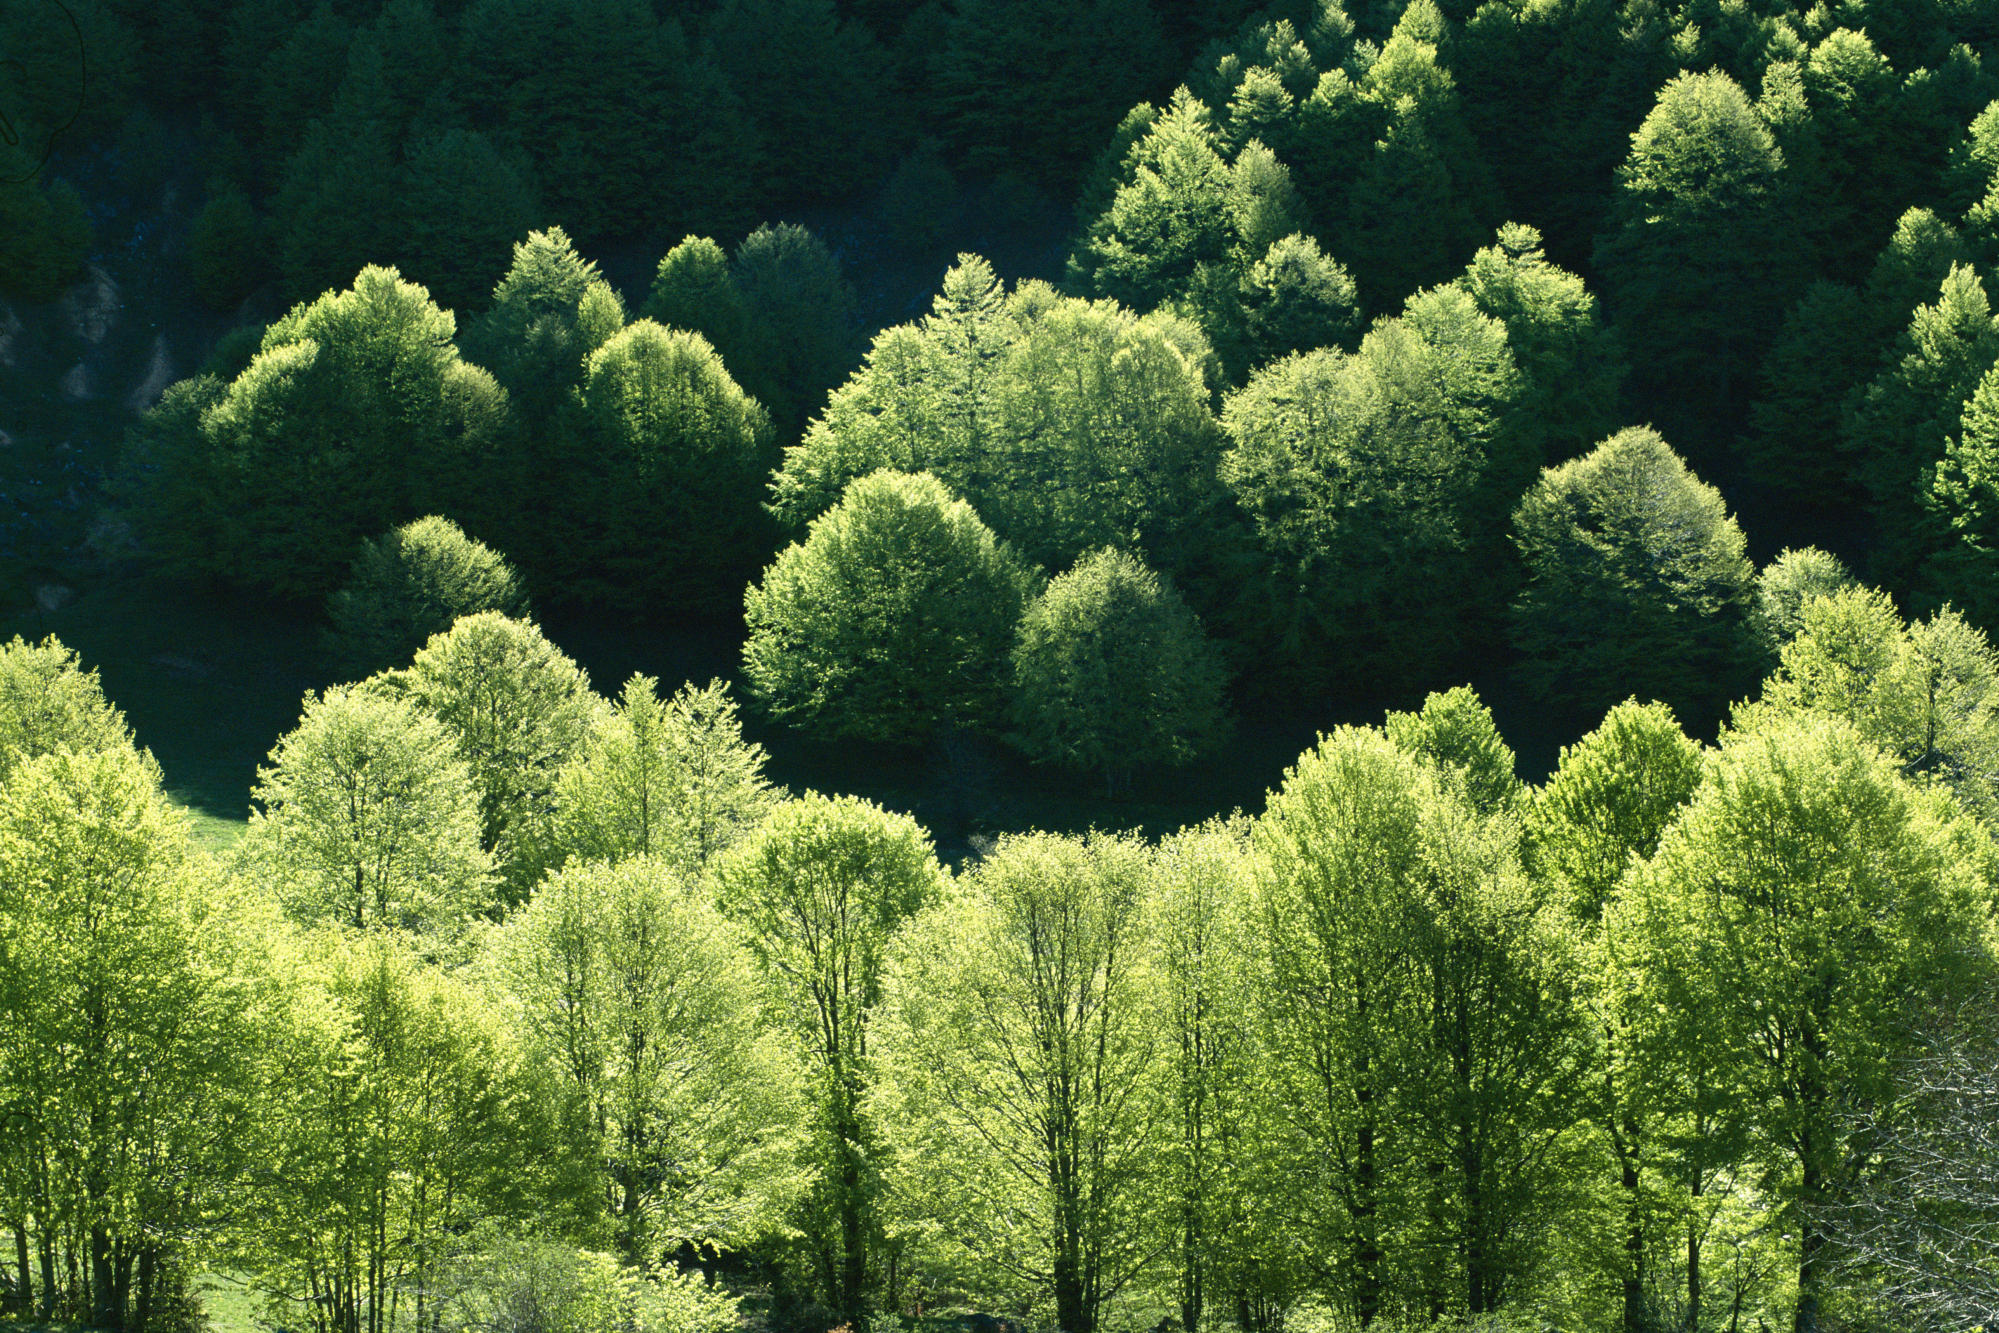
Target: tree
1810	897
801	322
1366	477
1636	580
891	619
550	311
131	1007
226	250
642	1001
1611	798
1927	694
460	203
1455	735
1067	424
672	780
661	509
401	1111
48	701
516	709
415	582
822	890
47	235
1901	423
1925	1223
1787	584
1023	1046
693	289
1112	671
1695	260
1571	366
1960	500
367	816
1339	851
355	416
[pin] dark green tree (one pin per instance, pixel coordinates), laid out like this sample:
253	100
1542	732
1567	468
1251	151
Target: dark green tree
414	582
1636	582
1112	672
1696	262
891	620
662	508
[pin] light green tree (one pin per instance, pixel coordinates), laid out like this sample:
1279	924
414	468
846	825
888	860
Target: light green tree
131	1015
517	709
367	816
1022	1050
411	583
1454	733
400	1112
822	890
1112	672
1786	584
671	779
643	1000
47	700
1808	900
891	619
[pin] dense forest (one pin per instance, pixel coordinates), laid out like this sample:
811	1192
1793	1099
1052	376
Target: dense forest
1085	392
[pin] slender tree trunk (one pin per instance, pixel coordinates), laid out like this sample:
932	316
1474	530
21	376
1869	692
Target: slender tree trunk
1811	1247
24	1295
1634	1232
48	1273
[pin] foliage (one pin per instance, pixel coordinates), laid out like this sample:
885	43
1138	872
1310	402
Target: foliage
367	816
671	779
356	415
415	582
823	890
47	237
516	709
891	619
49	702
226	250
642	1001
1112	671
1023	1039
1805	901
1455	734
660	503
131	1001
1786	584
1636	580
1067	424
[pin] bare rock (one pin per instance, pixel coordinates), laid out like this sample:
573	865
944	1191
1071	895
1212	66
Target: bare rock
75	383
159	374
90	308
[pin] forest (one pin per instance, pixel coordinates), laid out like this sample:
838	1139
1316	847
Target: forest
603	438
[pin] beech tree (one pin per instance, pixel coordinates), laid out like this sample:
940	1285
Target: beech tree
891	619
367	816
670	779
414	582
1807	897
132	1007
643	1001
356	415
822	890
1023	1047
516	709
1636	580
1067	424
1112	671
661	508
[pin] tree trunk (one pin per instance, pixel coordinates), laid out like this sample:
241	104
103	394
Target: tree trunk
105	1313
142	1308
1634	1242
24	1295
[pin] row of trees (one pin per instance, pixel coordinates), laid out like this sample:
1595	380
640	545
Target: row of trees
512	995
